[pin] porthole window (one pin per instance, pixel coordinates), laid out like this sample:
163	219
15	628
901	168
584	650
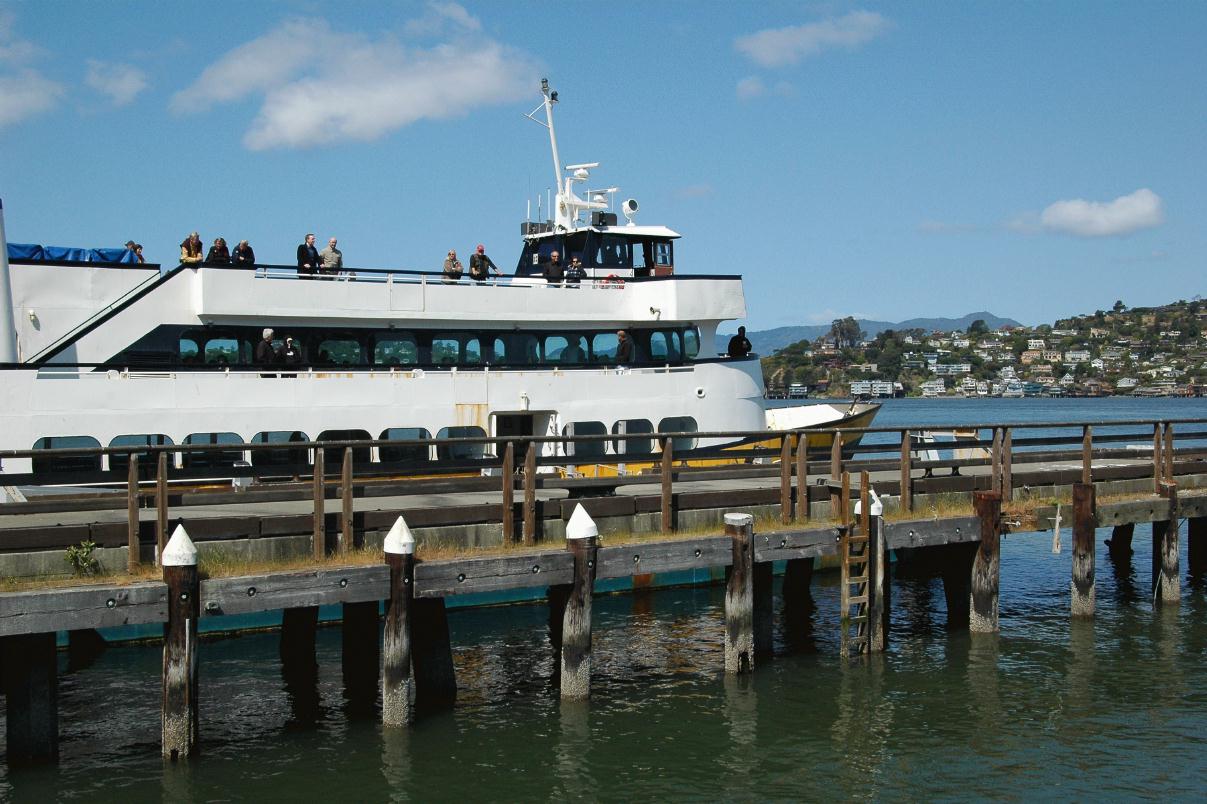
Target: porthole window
679	424
585	449
296	455
207	459
461	452
404	453
66	463
633	446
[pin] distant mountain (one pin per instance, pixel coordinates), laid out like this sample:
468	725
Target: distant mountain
766	341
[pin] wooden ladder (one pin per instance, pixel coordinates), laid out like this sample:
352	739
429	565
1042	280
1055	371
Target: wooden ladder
854	550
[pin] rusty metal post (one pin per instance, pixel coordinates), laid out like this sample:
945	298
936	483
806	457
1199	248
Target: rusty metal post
802	477
530	494
786	479
668	500
508	513
132	559
1082	588
319	530
346	535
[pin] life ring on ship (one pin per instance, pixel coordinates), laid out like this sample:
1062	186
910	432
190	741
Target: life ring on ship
612	281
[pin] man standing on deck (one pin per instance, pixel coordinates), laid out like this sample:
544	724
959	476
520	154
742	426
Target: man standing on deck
480	265
308	257
331	259
624	348
739	345
554	271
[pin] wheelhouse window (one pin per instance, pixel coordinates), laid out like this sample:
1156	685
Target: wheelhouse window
208	459
121	463
296	455
515	349
343	350
585	449
691	343
404	453
568	349
461	452
609	252
66	463
633	446
603	347
190	352
224	351
679	424
664	346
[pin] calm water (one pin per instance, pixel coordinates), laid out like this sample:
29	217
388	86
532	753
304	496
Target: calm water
1047	709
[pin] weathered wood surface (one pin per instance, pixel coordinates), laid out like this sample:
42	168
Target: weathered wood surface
82	607
179	717
251	593
397	685
1167	582
931	532
1082	592
492	573
983	601
1190	504
739	596
575	675
29	673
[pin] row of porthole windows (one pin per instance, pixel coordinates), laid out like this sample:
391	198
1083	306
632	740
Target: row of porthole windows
293	452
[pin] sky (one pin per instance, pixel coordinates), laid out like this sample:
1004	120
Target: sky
882	160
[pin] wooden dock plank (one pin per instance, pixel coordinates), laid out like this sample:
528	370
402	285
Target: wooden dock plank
931	532
492	573
82	607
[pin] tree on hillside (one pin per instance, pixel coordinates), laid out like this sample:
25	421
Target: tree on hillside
978	327
1119	306
846	331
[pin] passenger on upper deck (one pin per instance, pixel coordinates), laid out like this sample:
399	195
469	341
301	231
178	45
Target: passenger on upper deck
308	257
190	249
624	348
136	250
554	271
480	265
332	259
244	255
739	346
452	268
575	272
265	354
219	255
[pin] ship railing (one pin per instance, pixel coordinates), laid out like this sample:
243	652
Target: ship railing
1013	455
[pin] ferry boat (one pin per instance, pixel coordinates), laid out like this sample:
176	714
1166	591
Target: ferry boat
108	354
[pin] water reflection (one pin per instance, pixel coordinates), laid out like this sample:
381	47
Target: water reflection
742	720
396	762
574	779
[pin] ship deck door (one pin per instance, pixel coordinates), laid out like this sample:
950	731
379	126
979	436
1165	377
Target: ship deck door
518	425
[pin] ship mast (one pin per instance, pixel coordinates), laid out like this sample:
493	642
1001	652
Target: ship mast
568	206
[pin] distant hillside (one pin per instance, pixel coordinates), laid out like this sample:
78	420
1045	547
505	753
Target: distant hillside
766	341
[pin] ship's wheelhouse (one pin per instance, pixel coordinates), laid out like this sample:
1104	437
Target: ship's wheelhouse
603	250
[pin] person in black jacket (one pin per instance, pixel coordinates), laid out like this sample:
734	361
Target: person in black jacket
218	255
481	266
739	346
554	271
308	257
244	255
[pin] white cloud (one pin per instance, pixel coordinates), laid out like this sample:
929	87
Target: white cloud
753	87
439	15
778	47
120	82
694	191
13	50
1124	215
357	88
26	94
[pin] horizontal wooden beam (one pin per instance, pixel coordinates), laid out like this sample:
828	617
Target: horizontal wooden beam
287	590
82	607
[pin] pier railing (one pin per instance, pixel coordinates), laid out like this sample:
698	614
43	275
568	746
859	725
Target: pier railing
809	465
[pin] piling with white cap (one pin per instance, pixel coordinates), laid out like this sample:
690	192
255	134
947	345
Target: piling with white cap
8	329
739	596
582	540
178	717
397	684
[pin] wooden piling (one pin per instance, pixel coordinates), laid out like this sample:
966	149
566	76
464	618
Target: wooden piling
907	491
763	578
878	584
360	655
582	542
161	505
397	685
983	599
1167	586
739	596
1158	463
668	500
530	494
31	692
835	471
507	515
1087	454
1082	586
1119	546
1007	464
432	655
132	557
179	719
802	477
346	536
1167	452
995	461
299	629
319	530
786	479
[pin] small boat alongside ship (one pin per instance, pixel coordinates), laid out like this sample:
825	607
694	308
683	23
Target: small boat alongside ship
103	354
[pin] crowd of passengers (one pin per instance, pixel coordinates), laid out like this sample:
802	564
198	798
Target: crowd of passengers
329	261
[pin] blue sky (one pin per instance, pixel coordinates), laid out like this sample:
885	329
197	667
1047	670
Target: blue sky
886	160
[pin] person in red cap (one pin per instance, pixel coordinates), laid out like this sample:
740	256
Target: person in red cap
480	266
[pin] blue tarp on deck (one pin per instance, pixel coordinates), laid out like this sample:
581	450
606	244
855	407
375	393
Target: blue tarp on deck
32	252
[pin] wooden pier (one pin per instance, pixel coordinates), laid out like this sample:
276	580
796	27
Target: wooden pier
411	666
